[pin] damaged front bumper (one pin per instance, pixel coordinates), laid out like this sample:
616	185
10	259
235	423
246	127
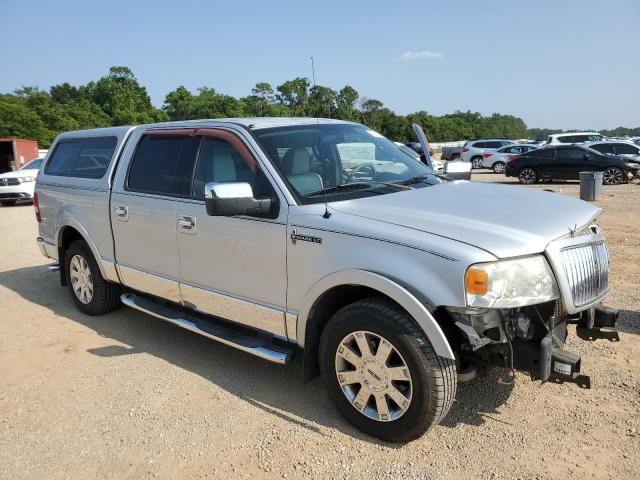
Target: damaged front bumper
530	339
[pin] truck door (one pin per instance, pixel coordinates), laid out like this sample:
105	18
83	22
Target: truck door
233	267
144	203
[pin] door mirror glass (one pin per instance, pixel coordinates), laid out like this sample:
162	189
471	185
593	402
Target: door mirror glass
233	198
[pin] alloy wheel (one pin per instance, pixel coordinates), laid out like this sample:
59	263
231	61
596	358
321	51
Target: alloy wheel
613	176
498	167
81	279
528	175
373	376
476	163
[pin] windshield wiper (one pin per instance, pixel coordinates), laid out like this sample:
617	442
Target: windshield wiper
355	186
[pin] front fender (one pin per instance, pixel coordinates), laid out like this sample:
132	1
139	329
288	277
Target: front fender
386	287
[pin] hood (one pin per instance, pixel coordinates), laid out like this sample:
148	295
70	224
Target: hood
506	221
31	172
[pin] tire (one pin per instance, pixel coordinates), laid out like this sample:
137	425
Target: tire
476	163
528	175
428	382
8	203
498	167
613	176
104	296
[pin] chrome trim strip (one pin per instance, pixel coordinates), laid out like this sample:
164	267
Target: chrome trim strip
368	237
268	318
54	267
74	186
242	342
150	283
291	322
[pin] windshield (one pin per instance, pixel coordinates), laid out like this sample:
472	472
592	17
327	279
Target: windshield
32	165
340	161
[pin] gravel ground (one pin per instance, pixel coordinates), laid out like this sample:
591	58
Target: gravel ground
128	396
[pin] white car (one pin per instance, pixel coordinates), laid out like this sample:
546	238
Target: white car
19	185
574	137
473	151
498	159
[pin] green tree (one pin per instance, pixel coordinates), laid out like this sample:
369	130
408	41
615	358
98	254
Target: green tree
369	107
322	102
180	104
294	94
17	119
346	102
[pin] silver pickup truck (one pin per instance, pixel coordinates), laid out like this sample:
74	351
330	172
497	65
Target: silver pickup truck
321	238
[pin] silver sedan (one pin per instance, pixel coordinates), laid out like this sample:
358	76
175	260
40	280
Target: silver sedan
498	159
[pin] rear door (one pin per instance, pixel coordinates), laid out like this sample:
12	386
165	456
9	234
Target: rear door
144	204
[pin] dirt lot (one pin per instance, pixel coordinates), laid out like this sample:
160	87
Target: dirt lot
128	396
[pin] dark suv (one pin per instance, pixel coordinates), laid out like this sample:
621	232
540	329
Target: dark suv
566	163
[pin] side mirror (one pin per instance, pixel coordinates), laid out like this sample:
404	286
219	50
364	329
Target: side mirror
458	170
233	198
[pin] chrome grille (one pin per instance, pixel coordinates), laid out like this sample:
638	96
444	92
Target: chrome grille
587	270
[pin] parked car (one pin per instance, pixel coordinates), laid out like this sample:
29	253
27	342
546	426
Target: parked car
621	148
498	159
19	185
438	165
574	137
635	140
566	162
380	275
474	150
450	153
416	147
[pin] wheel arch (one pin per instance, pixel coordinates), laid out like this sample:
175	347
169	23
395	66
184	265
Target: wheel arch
65	236
339	289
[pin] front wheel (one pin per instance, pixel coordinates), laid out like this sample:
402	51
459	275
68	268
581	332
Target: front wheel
613	176
476	162
528	175
382	372
91	293
498	167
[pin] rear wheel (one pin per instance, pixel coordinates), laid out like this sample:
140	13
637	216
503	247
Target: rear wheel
382	372
613	176
91	293
498	167
8	203
528	175
476	162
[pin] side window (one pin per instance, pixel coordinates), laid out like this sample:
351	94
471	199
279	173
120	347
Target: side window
580	138
163	165
219	161
567	139
514	150
622	148
603	148
570	153
83	157
546	152
479	145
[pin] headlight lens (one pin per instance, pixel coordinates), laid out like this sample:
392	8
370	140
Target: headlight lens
28	179
510	283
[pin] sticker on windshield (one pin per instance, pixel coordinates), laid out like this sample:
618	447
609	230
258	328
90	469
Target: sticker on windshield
374	134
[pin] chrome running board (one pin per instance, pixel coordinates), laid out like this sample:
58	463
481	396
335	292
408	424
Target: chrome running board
239	337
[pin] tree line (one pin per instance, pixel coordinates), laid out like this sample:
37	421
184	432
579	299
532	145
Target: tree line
119	99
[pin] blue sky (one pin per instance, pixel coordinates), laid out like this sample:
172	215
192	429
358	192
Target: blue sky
557	64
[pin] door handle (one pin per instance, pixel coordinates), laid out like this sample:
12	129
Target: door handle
122	213
187	222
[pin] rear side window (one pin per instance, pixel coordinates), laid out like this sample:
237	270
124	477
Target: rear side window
83	157
493	144
479	145
603	148
567	139
163	165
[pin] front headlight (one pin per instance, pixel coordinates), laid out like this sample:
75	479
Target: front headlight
27	179
510	283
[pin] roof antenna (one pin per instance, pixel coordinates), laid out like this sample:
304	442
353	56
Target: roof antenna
327	213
